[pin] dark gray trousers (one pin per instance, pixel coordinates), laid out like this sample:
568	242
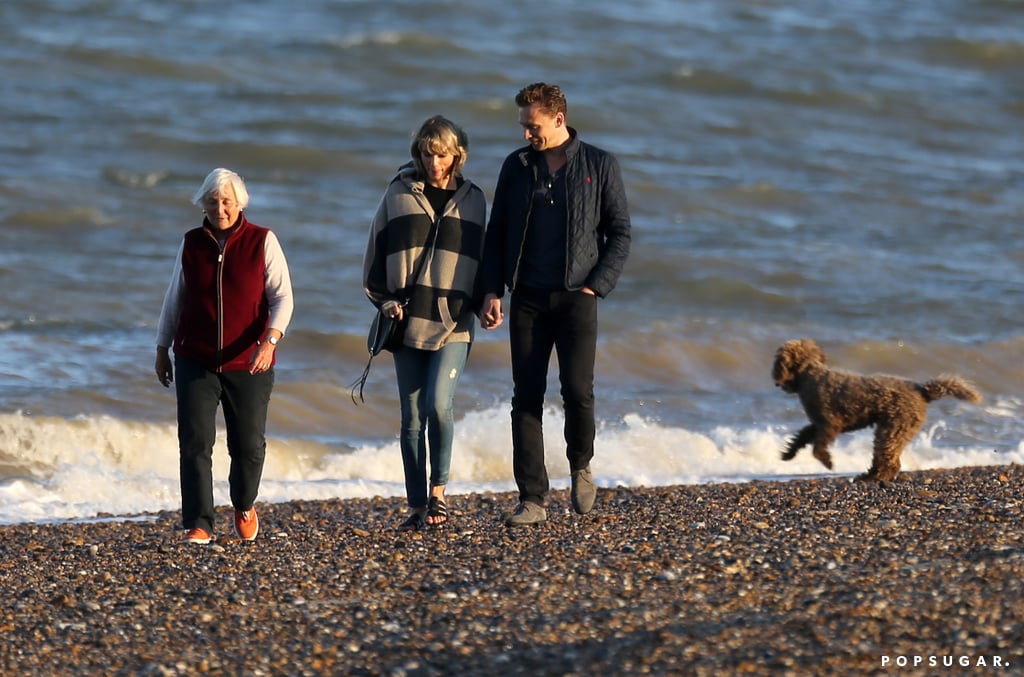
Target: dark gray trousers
246	399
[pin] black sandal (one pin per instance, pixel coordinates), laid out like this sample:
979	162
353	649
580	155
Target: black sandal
413	522
437	507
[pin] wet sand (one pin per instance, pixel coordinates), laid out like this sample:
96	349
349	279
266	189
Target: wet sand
806	577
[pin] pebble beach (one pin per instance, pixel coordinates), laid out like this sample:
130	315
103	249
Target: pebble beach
802	577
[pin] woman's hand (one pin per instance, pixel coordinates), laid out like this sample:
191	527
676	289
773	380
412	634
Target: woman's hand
164	370
263	357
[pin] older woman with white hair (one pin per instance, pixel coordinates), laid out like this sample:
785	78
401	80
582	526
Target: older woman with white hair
228	304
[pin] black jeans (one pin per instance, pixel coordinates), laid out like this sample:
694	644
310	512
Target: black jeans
246	399
539	321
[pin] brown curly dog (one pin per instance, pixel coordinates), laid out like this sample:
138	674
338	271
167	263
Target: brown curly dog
838	402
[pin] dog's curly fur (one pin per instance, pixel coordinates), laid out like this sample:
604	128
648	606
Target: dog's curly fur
838	402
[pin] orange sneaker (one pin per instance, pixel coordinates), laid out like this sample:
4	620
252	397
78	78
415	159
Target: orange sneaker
198	536
247	524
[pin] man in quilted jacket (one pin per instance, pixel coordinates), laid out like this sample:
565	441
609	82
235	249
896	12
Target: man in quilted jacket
557	240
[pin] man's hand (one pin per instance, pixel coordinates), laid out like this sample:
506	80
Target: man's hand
491	315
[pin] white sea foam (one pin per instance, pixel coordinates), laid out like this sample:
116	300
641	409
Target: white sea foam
60	469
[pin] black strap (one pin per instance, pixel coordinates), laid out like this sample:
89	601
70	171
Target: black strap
360	382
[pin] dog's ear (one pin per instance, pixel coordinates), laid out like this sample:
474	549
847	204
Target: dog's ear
814	352
783	364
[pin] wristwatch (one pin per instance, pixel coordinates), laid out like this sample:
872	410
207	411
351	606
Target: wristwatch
272	340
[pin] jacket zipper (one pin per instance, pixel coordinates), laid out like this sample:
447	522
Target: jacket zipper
526	227
220	307
220	299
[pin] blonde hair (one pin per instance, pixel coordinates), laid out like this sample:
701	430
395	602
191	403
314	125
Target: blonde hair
439	135
216	181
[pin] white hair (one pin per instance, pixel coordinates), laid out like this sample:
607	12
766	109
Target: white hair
216	181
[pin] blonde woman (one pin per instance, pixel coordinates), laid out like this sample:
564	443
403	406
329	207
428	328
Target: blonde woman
421	262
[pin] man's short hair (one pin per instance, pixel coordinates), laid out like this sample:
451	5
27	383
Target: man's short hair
549	97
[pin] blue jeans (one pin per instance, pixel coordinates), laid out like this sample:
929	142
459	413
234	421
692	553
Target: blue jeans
539	322
246	399
426	389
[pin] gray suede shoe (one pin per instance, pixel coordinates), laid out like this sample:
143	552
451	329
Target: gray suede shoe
583	491
526	514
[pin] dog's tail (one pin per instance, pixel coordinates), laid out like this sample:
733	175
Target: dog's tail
947	385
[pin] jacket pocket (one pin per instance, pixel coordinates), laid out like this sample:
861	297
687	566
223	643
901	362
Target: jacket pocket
447	313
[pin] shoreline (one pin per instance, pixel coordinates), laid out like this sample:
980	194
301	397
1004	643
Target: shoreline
816	576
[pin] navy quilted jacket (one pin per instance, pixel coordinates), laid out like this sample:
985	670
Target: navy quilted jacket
598	234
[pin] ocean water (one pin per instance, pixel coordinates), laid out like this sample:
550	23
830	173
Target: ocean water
848	171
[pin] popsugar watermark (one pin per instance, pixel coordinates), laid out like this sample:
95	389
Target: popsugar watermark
980	661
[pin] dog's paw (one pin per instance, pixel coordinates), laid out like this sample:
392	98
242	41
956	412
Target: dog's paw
874	479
